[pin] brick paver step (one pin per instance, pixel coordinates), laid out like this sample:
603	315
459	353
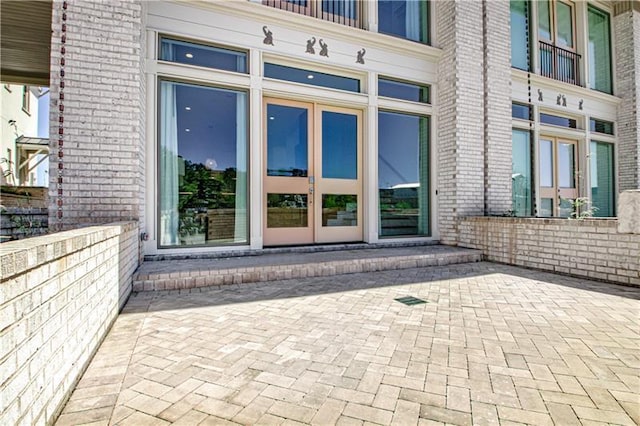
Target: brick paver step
273	265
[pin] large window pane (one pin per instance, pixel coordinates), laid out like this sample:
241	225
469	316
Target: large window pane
203	165
564	18
202	55
519	36
521	173
602	183
299	75
599	51
404	18
403	174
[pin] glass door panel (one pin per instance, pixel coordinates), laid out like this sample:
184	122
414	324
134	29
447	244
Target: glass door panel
287	141
546	163
338	184
288	213
339	145
566	165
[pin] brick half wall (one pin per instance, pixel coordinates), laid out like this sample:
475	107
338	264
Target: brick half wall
59	295
590	248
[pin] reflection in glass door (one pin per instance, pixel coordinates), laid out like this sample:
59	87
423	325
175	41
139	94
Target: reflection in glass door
558	169
313	173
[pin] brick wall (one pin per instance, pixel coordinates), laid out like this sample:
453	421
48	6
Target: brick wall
590	248
100	112
626	35
59	295
497	107
460	114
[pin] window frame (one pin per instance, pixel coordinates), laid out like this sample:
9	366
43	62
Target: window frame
427	191
421	86
427	14
158	126
162	35
553	22
612	64
26	100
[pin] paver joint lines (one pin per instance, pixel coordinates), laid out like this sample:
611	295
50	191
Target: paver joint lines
494	344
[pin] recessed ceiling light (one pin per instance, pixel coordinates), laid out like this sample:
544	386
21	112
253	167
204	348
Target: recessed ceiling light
187	108
189	55
187	130
310	76
272	118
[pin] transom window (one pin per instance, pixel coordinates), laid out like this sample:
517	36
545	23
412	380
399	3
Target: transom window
201	55
315	78
403	90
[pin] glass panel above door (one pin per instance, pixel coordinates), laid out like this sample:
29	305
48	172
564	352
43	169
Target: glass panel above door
339	145
314	78
287	141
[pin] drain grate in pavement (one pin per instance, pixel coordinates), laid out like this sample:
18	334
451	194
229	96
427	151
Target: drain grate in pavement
410	300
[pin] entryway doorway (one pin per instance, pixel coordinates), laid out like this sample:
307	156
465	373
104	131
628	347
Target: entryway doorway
558	176
312	173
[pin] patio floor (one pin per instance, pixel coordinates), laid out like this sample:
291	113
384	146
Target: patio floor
493	344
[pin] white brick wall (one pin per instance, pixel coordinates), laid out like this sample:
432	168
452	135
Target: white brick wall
497	103
59	295
626	29
460	114
590	248
104	112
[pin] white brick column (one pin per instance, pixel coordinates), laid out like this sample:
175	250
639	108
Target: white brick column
460	114
497	107
97	118
626	33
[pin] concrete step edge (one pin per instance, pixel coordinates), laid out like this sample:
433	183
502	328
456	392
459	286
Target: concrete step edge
260	273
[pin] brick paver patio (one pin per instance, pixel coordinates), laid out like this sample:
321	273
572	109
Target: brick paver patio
492	345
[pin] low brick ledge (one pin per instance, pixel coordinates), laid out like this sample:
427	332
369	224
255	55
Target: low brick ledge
225	276
19	256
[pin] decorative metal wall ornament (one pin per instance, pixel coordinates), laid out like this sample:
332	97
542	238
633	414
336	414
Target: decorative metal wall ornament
564	101
324	48
540	98
360	56
310	43
580	104
268	36
559	99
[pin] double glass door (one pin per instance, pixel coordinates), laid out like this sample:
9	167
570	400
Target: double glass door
312	174
558	171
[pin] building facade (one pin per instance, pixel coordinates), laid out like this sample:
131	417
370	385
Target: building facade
245	124
23	155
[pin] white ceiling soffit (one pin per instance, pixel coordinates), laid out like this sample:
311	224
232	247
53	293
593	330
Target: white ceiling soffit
25	41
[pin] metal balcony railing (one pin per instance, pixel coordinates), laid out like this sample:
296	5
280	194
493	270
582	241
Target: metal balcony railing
559	64
345	12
